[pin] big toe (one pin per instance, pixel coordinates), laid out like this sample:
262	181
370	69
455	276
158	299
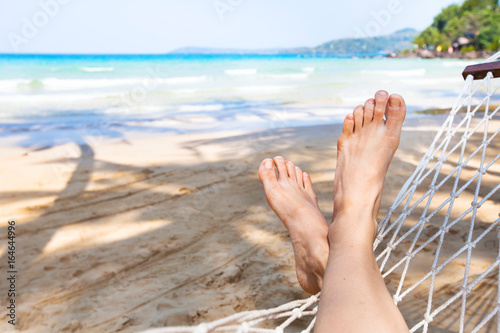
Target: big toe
267	174
396	112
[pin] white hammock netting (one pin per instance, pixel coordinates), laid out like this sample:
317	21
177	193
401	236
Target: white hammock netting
438	247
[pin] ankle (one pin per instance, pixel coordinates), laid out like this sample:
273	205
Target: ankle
357	229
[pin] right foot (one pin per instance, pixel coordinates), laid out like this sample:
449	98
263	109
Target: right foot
365	150
291	197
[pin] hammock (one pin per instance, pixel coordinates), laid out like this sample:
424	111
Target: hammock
418	247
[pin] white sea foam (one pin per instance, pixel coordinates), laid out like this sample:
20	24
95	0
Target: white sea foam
396	73
291	76
263	89
58	102
249	118
182	79
201	107
444	81
11	86
329	111
249	71
461	64
57	84
308	69
97	69
199	119
135	109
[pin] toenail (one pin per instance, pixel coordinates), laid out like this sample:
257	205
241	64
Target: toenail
279	157
394	103
383	93
289	162
269	164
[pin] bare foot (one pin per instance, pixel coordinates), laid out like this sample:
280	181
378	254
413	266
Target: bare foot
365	150
291	196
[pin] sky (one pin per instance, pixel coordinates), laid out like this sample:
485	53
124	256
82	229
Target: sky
160	26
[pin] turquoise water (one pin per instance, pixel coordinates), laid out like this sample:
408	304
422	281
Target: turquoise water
192	93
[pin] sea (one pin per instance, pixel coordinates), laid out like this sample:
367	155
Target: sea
47	100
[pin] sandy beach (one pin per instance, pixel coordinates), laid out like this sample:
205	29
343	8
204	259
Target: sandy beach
125	235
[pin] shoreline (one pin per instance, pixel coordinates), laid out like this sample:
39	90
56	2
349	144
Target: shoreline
429	54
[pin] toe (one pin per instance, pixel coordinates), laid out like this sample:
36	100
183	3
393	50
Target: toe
369	110
291	170
381	98
267	174
307	181
281	166
308	185
298	175
358	118
348	127
396	112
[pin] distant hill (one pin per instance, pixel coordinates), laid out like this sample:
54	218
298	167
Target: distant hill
400	40
206	50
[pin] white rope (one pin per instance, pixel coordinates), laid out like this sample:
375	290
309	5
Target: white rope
494	57
400	236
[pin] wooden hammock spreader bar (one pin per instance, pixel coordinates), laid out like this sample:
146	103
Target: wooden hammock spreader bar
480	71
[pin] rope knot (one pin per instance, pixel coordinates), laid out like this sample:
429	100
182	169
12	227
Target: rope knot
397	299
482	171
428	318
410	255
279	330
475	204
433	187
454	195
202	328
445	229
314	298
244	328
470	245
297	312
465	290
434	271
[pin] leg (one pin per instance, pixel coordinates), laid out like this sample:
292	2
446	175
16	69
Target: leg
291	197
354	297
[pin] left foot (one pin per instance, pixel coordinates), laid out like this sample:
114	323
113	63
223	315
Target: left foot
291	197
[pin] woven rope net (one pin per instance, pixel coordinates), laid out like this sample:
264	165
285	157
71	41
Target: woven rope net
437	249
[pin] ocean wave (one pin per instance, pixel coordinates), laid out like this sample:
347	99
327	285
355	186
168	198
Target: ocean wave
461	64
308	69
293	76
57	84
249	71
396	73
56	101
97	69
263	89
444	81
200	107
